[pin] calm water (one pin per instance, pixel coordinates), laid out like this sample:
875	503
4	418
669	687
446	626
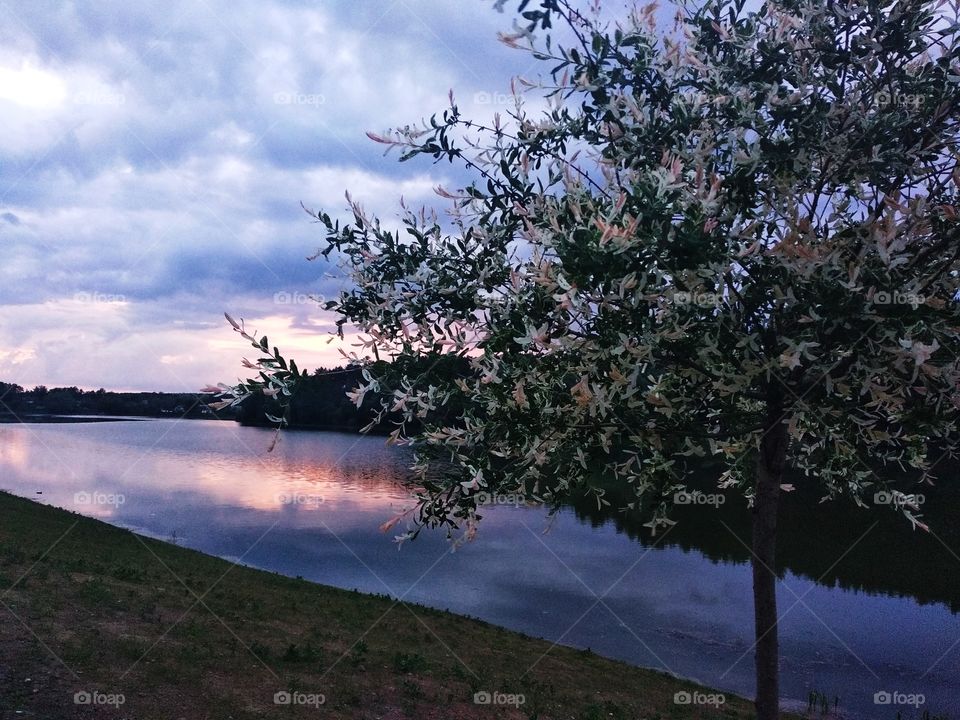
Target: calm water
683	606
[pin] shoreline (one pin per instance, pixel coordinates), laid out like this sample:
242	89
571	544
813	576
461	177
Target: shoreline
115	612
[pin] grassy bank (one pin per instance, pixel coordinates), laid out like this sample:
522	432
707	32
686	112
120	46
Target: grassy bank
89	608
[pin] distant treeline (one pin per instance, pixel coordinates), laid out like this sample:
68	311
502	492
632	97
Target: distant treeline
17	402
321	401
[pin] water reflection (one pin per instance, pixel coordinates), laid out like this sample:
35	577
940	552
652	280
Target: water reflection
837	544
311	508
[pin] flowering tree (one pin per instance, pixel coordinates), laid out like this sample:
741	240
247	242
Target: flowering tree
736	238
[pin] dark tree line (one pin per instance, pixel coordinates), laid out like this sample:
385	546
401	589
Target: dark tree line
18	402
321	401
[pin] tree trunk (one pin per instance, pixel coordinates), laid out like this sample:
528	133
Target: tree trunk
773	450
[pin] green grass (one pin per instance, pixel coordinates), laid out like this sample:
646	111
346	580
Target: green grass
89	607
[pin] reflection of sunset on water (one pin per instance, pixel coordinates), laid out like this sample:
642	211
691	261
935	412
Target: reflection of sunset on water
272	481
299	477
13	450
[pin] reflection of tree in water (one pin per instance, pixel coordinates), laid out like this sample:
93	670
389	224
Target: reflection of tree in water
891	558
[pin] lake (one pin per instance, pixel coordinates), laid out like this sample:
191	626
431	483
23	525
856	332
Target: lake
867	605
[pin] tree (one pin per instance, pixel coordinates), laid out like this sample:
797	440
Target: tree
734	239
11	395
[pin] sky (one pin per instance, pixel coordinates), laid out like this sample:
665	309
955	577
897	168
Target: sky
154	157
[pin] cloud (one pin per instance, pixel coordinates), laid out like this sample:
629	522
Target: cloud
155	155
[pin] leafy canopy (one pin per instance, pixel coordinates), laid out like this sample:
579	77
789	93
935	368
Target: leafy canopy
747	219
